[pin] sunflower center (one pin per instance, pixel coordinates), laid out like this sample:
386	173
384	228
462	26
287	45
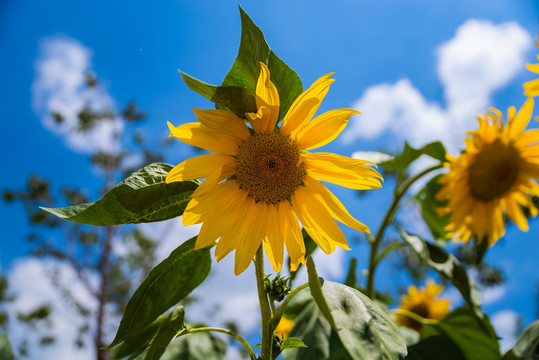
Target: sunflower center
269	167
494	171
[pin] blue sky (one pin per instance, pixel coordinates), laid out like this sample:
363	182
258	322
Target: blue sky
418	70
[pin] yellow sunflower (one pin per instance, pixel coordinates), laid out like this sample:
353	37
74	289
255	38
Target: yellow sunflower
284	327
496	175
261	178
422	302
531	88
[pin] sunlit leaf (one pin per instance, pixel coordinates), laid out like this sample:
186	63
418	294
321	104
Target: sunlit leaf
292	342
435	150
142	197
430	207
475	338
237	99
527	346
166	285
449	267
246	68
197	346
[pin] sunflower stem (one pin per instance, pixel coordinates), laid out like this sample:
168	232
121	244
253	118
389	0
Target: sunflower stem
277	317
399	193
265	311
249	349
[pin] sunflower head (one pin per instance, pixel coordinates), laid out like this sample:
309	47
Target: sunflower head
261	181
531	88
496	175
422	302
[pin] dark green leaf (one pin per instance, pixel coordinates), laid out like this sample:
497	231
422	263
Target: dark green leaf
246	68
436	347
475	338
316	291
527	346
237	99
292	342
166	285
136	340
142	197
435	150
197	346
429	208
6	351
167	331
449	267
351	279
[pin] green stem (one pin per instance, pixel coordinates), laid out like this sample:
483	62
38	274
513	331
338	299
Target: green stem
387	220
277	317
252	354
414	316
267	335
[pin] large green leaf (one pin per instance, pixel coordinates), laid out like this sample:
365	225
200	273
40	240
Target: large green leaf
142	197
237	99
197	346
437	347
429	208
166	285
527	346
167	331
136	341
475	338
449	267
246	68
435	150
365	331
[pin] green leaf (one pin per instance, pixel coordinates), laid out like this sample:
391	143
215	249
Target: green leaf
527	346
437	347
429	206
166	285
237	99
475	338
167	331
196	346
142	197
6	351
364	330
138	340
435	150
316	291
246	68
449	267
292	342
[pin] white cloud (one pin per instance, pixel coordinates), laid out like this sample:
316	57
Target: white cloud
478	60
30	280
505	323
59	87
492	295
373	156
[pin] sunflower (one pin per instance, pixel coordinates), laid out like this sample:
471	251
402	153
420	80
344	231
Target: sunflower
283	329
496	175
422	302
531	88
261	178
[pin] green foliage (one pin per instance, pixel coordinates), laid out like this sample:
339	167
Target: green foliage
363	328
246	68
142	197
196	346
292	342
435	150
278	288
474	337
430	206
6	351
237	99
527	346
449	267
168	329
166	285
437	347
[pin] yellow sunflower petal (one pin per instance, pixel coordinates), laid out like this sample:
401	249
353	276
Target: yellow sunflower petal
316	219
250	236
521	120
515	213
323	128
202	166
230	238
341	170
332	203
304	107
273	242
292	236
224	122
260	120
199	135
267	95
